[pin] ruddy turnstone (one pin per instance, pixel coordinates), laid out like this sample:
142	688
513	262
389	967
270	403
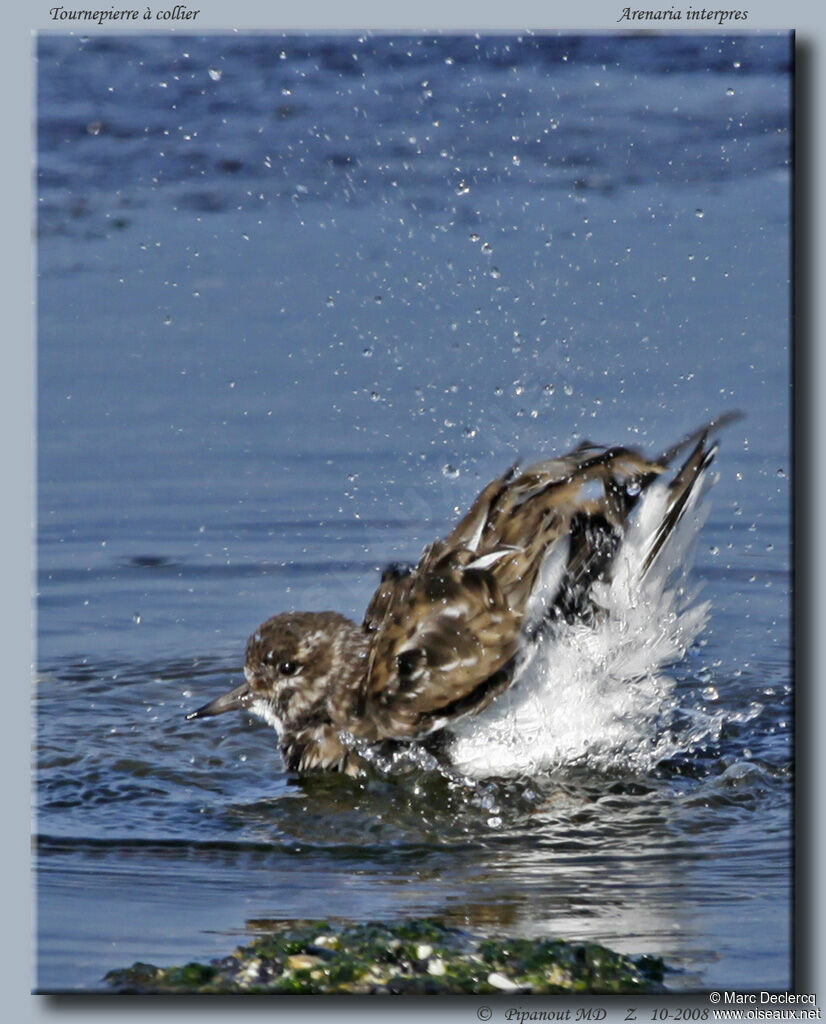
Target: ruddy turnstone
443	638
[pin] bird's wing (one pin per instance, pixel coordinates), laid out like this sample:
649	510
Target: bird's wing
583	498
444	645
446	633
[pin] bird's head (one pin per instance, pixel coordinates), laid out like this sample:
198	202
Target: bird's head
298	666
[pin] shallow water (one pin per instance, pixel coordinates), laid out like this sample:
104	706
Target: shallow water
299	299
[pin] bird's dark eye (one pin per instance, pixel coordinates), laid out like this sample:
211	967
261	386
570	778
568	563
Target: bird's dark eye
288	668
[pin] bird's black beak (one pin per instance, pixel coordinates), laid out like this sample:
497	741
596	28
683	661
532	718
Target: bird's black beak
236	700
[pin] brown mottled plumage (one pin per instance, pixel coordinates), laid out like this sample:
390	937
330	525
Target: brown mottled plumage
442	639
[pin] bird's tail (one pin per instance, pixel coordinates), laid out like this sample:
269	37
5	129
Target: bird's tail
682	495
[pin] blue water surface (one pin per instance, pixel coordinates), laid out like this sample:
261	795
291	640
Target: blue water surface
299	298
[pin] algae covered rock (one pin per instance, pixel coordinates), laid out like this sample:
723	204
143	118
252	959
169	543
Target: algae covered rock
422	957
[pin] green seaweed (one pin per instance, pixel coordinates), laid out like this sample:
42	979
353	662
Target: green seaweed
420	956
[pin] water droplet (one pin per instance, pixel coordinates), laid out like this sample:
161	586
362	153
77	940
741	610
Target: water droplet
374	396
549	389
487	248
632	488
781	472
215	74
515	160
469	432
710	693
462	188
495	273
699	214
568	389
450	471
136	618
367	352
378	300
474	237
331	301
729	92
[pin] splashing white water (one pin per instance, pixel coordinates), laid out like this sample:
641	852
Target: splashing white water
598	694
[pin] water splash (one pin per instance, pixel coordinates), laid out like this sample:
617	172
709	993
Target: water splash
598	695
